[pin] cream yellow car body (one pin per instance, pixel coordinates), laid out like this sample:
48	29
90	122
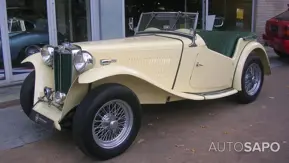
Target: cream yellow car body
155	67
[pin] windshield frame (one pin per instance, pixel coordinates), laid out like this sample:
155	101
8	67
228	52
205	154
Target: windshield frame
179	14
20	22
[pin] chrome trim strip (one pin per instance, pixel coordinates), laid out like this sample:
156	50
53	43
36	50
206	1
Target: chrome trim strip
60	70
213	92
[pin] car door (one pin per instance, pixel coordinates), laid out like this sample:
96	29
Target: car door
212	72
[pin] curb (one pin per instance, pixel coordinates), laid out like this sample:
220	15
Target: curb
6	104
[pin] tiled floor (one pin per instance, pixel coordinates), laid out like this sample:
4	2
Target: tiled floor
19	129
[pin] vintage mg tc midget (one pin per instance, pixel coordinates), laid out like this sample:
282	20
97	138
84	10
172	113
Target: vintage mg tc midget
98	87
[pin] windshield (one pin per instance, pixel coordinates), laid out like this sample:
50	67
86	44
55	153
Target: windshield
168	21
283	16
14	25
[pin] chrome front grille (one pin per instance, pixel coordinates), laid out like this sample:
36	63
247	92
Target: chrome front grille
64	71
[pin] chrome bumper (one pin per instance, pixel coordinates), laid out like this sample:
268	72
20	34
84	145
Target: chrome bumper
46	115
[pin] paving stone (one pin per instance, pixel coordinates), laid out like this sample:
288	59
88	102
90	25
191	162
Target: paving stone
9	93
17	129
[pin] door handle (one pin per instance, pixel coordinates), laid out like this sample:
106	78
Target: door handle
198	64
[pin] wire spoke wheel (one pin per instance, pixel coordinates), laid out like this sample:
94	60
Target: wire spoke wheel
112	124
253	77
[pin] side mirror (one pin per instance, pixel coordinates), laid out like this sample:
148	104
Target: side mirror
131	23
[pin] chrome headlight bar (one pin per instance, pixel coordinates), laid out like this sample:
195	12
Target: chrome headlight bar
82	60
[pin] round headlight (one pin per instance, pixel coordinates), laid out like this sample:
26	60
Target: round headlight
83	61
47	53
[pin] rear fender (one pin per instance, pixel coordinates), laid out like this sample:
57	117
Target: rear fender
254	48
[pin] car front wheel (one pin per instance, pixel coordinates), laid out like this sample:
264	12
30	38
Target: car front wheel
27	93
107	121
252	80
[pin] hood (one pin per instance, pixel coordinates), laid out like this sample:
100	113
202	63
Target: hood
145	50
141	42
11	35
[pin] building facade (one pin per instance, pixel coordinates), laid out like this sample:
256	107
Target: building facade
27	25
266	9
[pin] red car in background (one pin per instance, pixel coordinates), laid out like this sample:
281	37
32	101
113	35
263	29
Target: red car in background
277	34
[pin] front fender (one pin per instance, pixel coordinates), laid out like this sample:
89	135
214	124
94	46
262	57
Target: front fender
147	89
257	49
44	77
108	71
41	72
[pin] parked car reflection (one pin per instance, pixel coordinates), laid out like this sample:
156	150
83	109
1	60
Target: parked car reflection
26	38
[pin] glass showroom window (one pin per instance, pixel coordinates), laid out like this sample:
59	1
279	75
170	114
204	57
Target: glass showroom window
231	15
28	32
2	70
72	19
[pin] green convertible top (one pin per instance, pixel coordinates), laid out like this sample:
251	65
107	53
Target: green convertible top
223	42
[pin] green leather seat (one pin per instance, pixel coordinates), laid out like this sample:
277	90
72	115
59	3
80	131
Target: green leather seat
223	42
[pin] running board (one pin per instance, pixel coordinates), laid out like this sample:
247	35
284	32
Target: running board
218	94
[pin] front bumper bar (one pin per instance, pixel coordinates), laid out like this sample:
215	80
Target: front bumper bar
46	115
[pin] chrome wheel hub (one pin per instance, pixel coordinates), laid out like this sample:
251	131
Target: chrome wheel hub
109	121
253	77
112	124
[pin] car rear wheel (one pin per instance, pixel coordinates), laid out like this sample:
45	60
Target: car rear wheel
27	93
107	121
252	80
